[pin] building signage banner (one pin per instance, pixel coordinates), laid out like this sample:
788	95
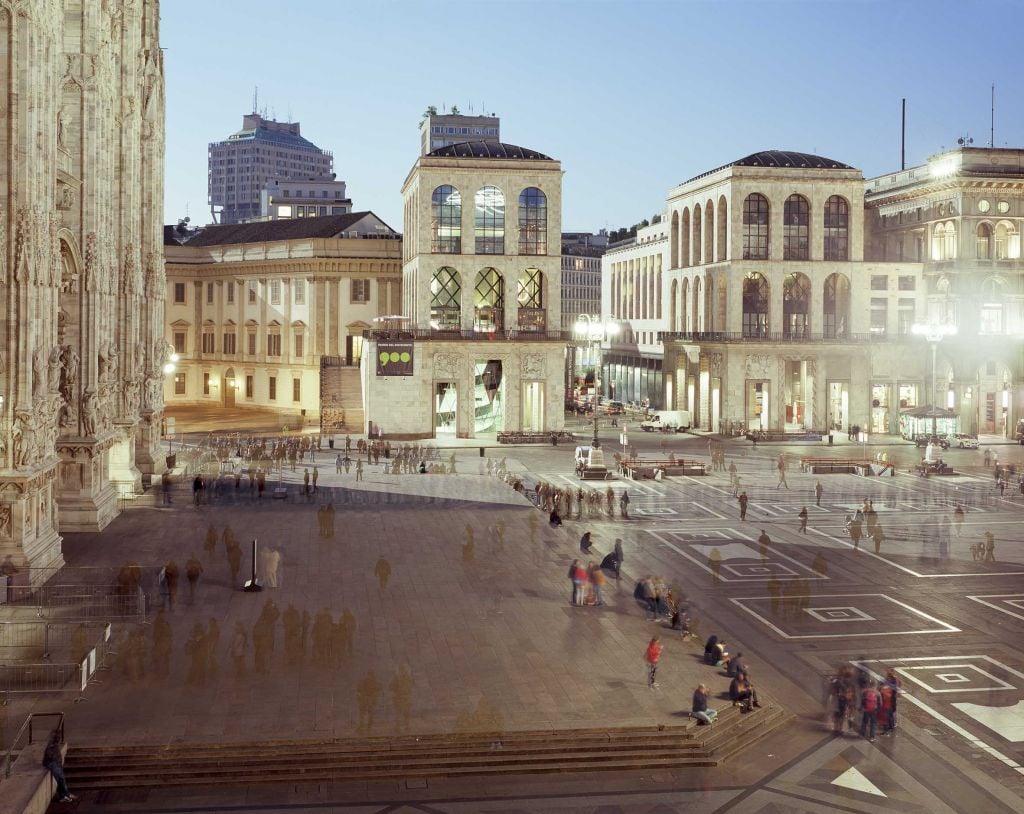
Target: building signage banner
394	358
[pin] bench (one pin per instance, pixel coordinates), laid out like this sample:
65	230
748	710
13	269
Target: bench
927	469
517	437
784	435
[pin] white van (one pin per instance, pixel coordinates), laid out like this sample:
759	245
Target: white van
666	421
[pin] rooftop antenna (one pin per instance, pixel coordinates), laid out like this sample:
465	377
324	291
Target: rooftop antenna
992	135
255	98
903	136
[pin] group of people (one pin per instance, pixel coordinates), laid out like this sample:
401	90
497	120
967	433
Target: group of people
587	583
561	503
852	691
742	692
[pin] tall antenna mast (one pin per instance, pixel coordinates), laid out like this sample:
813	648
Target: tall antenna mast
992	133
903	136
255	98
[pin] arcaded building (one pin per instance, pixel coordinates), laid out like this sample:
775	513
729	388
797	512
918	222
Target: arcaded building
755	285
478	347
81	268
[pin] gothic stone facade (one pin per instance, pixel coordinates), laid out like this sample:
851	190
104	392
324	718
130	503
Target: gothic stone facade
81	266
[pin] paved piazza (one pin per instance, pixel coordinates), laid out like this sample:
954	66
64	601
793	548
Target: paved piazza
475	611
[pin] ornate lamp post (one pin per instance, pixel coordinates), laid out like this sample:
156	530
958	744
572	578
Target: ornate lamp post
934	334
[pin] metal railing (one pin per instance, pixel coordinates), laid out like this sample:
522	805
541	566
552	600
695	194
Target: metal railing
800	337
41	637
26	737
53	677
511	335
82	602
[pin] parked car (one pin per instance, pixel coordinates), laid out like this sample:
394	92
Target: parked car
925	440
614	408
962	440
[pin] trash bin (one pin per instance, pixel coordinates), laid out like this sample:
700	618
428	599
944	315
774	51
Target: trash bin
481	452
830	439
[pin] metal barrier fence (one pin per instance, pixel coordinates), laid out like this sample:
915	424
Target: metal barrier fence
53	678
41	638
27	736
80	602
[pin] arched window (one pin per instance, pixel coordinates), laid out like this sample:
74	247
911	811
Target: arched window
530	297
674	241
723	222
837	229
836	306
709	232
445	300
489	301
698	307
984	242
796	296
673	305
709	302
755	227
489	221
1007	241
950	241
684	308
755	305
684	236
533	221
446	221
796	229
697	235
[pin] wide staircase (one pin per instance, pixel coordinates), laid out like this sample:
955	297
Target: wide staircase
341	397
408	757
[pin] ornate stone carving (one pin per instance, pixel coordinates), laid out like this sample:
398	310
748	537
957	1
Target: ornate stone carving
55	261
89	411
128	271
534	366
447	365
23	439
715	365
38	374
130	398
154	281
53	369
90	260
5	521
107	364
22	246
68	382
758	366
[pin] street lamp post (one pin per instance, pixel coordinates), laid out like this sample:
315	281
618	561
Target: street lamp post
595	331
934	334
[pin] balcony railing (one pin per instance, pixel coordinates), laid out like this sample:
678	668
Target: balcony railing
795	338
445	334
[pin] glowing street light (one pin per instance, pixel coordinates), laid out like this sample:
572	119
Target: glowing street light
933	333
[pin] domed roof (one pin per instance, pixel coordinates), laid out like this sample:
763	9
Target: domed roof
781	159
486	149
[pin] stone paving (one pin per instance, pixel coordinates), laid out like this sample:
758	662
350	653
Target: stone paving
485	629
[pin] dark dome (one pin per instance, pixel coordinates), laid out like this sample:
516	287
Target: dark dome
781	159
486	149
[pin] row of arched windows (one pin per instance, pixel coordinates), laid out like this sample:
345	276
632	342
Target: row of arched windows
698	246
488	221
693	247
796	228
636	288
694	310
488	299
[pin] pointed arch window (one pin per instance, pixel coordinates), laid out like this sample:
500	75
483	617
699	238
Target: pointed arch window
755	306
489	301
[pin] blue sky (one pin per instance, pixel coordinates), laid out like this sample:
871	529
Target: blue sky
631	97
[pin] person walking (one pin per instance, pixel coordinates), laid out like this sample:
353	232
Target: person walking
624	505
193	570
597	581
383	572
197	488
743	504
803	520
359	469
869	711
990	547
958	519
316	476
781	467
652	656
818	489
763	542
337	464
